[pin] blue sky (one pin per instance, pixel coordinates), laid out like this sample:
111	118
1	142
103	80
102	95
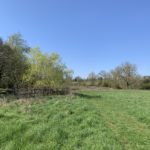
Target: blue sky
90	35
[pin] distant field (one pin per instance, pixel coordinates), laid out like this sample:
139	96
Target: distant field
90	120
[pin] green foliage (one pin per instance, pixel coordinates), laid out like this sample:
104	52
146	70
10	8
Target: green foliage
124	76
16	41
90	120
1	41
46	70
22	66
145	84
13	64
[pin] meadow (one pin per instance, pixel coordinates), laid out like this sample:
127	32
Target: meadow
88	120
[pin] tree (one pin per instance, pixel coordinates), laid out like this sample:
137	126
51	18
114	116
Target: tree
92	77
106	78
145	82
46	70
1	41
22	66
13	64
125	75
5	65
16	41
78	79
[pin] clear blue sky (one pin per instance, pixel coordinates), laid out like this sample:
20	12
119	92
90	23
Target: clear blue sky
90	35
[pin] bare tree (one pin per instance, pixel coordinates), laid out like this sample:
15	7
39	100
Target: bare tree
92	77
125	75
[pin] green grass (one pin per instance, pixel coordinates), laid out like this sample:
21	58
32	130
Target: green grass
91	120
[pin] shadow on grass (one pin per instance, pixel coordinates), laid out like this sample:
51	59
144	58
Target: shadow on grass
87	96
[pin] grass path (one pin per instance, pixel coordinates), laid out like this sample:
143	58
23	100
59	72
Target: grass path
129	129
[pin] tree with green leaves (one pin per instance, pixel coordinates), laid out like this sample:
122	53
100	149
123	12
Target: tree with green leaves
17	42
13	63
46	70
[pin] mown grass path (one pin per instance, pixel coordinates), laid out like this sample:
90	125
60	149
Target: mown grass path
98	120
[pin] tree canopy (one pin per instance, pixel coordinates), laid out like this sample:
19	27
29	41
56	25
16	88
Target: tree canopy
23	66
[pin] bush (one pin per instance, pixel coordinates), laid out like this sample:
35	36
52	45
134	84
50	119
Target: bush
145	86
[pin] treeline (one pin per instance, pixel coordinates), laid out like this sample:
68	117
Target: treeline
22	66
124	76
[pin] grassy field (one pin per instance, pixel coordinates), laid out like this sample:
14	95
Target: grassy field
90	120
